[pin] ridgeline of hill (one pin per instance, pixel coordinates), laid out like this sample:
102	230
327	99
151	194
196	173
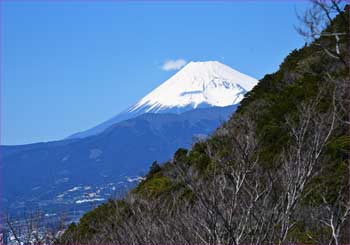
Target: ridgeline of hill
276	172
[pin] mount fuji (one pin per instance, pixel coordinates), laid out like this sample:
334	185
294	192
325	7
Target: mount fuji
197	85
72	174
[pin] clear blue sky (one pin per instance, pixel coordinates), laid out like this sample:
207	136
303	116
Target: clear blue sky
67	66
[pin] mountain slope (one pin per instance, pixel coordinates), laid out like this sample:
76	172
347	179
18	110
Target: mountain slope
69	174
197	85
276	172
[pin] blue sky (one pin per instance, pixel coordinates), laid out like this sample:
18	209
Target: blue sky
68	66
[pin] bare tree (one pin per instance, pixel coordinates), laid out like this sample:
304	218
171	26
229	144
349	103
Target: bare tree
317	22
336	214
34	228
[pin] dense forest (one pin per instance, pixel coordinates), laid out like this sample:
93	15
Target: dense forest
276	172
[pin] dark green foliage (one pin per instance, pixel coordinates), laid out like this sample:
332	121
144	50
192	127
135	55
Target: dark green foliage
157	185
155	168
198	156
180	156
88	225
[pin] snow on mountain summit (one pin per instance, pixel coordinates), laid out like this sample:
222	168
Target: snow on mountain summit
209	83
196	85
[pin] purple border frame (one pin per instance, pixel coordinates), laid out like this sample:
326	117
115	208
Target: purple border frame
108	1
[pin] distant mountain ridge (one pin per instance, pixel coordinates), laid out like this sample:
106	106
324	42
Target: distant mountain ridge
96	167
197	85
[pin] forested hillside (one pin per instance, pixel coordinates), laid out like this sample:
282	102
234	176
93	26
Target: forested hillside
276	172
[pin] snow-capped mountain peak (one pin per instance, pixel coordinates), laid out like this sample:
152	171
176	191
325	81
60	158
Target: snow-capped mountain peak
197	85
209	83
